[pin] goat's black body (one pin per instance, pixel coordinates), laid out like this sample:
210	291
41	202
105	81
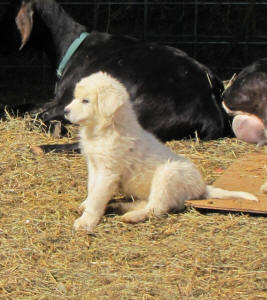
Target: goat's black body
173	95
171	92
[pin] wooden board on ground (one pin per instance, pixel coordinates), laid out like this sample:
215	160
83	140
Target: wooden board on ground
246	174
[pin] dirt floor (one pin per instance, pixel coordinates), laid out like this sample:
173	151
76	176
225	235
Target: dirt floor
192	255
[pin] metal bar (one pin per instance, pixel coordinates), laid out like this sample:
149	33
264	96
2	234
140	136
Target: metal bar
145	18
158	3
195	27
194	39
165	3
24	66
216	43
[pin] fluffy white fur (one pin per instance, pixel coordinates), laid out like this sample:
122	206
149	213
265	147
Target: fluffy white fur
121	156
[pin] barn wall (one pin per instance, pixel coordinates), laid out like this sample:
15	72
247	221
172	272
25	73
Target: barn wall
225	35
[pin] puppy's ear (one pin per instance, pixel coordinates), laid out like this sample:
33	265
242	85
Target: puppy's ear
109	101
24	21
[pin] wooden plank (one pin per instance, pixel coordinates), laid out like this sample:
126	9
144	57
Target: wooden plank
246	174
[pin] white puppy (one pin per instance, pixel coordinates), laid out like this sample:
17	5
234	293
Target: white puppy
122	156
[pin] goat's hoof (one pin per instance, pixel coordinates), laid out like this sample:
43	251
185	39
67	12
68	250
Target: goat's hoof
261	143
55	129
36	150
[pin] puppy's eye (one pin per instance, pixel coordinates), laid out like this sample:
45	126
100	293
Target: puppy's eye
85	101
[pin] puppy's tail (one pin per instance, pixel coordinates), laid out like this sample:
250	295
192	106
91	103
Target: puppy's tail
214	192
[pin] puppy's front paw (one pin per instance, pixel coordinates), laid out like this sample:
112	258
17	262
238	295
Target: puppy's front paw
86	223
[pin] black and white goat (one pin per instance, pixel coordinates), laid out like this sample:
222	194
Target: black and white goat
173	95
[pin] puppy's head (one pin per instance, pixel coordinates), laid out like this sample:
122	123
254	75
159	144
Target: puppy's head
96	98
82	108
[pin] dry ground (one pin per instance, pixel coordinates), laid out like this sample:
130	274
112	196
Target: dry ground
182	256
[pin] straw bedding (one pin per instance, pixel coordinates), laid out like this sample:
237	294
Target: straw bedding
180	256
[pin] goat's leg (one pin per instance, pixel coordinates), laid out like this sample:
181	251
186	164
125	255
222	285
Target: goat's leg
123	207
57	148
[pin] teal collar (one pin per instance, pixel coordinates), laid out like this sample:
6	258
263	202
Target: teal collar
72	48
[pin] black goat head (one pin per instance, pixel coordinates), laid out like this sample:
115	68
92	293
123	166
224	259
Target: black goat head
24	21
16	23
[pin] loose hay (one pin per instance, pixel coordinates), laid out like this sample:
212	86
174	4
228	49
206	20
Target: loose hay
182	256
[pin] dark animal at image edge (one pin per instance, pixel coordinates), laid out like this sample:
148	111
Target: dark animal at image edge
173	95
247	96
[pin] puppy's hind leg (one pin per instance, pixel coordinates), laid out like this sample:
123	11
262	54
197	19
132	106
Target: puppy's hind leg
164	196
123	207
136	216
154	206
